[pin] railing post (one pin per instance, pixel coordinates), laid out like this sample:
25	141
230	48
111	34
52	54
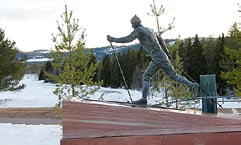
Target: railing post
208	88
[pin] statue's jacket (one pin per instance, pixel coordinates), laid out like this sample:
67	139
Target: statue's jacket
151	41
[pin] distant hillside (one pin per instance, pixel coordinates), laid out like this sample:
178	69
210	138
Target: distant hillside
35	54
100	52
41	56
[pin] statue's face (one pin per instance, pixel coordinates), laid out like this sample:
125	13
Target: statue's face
134	25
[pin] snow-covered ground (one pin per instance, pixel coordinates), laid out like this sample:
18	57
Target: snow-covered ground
40	94
35	94
21	134
39	60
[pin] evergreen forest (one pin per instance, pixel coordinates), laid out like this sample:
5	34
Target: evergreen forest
191	57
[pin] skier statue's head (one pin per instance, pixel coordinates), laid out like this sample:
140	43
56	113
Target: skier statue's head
135	21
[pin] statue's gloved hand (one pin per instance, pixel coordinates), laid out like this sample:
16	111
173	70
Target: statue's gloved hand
109	38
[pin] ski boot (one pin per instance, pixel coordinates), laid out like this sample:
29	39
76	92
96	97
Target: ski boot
141	102
195	89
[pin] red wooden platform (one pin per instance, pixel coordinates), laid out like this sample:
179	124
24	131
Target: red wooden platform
92	123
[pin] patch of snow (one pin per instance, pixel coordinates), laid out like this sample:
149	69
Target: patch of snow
35	94
21	134
234	111
120	95
40	94
230	104
39	60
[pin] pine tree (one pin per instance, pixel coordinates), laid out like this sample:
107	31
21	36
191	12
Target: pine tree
232	42
130	56
233	74
176	90
136	78
156	13
11	68
218	61
209	51
129	61
233	77
194	60
106	71
143	58
48	67
198	63
75	71
116	79
185	52
181	50
142	61
94	62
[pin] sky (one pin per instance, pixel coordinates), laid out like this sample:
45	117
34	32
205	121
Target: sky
31	23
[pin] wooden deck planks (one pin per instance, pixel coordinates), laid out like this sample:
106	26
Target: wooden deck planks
90	122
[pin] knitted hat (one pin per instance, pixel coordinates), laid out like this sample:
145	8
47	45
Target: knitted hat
135	20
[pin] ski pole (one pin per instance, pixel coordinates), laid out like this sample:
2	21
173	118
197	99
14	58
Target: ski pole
123	77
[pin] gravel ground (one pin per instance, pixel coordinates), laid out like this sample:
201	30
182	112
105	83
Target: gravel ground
30	115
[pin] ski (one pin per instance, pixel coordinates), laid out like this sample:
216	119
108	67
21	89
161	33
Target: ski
129	104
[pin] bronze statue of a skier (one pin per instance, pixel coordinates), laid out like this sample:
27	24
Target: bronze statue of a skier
156	46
